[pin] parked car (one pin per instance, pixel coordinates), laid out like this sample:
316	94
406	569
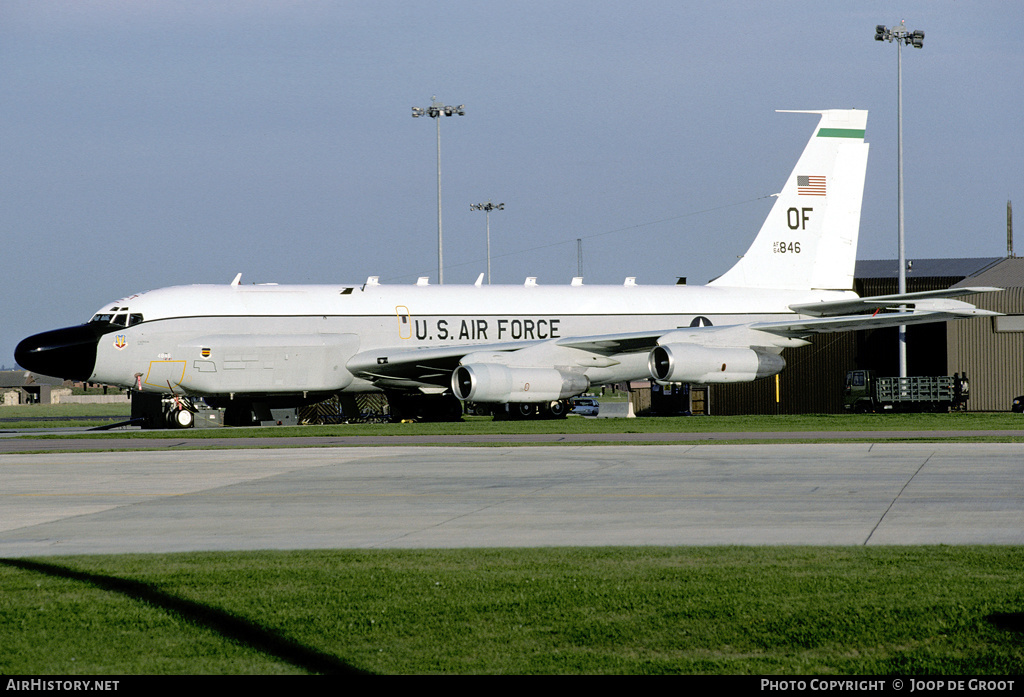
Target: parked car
585	406
1018	405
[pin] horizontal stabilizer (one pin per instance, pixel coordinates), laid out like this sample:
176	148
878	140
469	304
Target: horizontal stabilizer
829	308
847	323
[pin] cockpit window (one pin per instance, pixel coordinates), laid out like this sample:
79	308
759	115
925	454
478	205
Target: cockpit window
121	319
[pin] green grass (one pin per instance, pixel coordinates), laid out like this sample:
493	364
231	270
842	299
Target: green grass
57	415
731	610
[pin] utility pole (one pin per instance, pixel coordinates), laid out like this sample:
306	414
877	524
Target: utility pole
916	39
435	111
1009	229
488	207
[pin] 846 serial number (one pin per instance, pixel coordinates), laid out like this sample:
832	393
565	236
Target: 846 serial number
785	247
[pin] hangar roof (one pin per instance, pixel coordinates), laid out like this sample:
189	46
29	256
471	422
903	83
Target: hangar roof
1007	273
925	268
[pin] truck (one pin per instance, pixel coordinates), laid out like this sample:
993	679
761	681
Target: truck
866	392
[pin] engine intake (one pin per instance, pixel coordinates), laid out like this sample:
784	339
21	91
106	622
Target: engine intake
490	382
703	364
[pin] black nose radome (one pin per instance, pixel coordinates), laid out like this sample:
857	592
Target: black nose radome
68	353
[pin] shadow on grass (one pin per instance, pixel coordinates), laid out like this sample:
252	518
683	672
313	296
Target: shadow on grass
227	625
1007	621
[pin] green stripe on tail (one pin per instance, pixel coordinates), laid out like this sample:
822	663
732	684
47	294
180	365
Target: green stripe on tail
841	133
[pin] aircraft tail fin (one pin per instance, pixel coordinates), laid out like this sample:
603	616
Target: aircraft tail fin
809	239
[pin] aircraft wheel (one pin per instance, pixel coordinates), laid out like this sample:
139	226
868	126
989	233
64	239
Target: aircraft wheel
525	410
183	418
558	409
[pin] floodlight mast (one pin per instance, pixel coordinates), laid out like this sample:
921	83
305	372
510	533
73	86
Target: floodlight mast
916	39
488	207
435	111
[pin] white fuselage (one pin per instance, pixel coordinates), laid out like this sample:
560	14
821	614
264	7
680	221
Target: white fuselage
277	339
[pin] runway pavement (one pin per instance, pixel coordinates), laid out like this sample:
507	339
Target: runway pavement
414	497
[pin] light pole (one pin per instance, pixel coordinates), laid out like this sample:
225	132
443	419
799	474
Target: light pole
435	111
916	39
488	207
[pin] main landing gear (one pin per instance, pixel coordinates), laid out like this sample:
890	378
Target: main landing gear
526	410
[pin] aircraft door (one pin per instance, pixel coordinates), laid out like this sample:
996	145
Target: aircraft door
404	322
163	375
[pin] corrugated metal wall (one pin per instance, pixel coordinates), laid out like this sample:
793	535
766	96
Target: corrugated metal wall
993	361
812	382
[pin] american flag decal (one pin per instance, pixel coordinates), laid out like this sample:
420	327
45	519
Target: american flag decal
810	186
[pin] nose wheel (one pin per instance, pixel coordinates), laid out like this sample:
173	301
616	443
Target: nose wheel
181	418
153	410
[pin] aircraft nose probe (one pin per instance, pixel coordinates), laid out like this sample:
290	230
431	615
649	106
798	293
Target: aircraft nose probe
68	353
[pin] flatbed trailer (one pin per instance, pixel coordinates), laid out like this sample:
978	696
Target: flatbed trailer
866	392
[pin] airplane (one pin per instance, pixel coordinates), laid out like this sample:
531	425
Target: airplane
522	348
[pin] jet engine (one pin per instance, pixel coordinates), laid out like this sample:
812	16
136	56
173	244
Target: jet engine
495	383
709	364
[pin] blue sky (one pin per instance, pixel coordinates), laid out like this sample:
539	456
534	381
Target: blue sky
146	144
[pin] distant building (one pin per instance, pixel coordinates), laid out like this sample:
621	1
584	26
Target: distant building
29	387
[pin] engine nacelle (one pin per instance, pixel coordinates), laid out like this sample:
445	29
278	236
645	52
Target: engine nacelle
496	383
710	364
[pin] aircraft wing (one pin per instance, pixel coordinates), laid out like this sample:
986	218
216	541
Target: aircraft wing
404	367
610	344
